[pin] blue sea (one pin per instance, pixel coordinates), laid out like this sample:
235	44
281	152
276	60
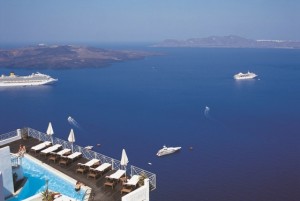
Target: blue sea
244	148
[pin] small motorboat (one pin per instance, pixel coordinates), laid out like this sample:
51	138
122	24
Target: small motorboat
89	147
167	150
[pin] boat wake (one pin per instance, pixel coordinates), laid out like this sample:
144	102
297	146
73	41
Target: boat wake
73	122
206	112
212	119
208	116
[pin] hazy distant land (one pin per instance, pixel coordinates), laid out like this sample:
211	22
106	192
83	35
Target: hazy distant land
228	42
65	56
68	56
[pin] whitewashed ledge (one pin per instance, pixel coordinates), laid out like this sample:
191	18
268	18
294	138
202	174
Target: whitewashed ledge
64	198
38	197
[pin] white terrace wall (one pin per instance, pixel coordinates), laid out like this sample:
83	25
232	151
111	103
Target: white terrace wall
11	139
140	194
6	169
1	188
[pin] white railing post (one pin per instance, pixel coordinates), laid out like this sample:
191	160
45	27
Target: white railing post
19	132
146	183
1	188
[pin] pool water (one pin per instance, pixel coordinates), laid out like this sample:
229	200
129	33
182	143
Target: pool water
32	187
36	182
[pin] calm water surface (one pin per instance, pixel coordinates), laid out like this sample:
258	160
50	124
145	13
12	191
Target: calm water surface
246	148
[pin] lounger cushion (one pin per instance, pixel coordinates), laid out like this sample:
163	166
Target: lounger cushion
133	180
117	175
64	151
51	149
90	163
74	155
41	145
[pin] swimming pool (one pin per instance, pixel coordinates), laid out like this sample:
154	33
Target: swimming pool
37	175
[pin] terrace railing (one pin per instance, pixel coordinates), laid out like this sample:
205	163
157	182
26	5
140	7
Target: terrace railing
90	154
8	135
37	134
15	160
145	174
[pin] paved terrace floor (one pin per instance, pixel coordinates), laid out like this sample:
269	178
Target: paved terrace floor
101	192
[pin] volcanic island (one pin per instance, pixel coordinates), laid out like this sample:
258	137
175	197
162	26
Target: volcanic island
65	57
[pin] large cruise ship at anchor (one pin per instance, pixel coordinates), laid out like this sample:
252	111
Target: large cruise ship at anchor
243	76
30	80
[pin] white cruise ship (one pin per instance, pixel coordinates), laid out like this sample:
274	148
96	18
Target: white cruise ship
31	80
243	76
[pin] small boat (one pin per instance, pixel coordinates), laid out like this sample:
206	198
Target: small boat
88	147
167	150
244	76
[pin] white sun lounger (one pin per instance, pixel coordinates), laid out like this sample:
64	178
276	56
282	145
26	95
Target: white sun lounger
65	160
86	166
63	152
40	146
55	156
132	181
51	149
103	167
130	184
113	179
74	155
95	172
90	163
117	175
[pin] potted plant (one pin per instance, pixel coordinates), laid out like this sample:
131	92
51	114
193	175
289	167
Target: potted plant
46	194
143	176
24	134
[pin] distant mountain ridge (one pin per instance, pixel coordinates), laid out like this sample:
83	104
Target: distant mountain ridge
65	56
230	41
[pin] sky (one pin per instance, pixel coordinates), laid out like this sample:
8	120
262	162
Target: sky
45	21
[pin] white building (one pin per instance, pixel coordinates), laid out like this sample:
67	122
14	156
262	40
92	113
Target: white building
6	170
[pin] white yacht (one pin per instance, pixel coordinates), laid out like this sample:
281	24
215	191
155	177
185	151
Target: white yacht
167	150
31	80
243	76
89	147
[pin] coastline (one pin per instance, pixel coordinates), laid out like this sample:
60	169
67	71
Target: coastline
66	57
